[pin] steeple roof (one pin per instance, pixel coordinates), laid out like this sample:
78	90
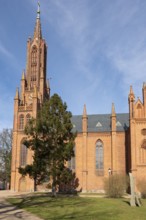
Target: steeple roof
37	30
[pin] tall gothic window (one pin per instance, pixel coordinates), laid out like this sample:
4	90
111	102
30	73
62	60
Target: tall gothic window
21	122
23	155
33	63
28	117
99	158
71	163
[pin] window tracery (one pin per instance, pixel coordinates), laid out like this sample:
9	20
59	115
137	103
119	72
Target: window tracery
33	63
21	122
99	158
23	155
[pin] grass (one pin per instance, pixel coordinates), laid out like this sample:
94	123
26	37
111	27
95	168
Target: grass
77	208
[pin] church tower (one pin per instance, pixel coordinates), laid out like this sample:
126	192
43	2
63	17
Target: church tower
34	90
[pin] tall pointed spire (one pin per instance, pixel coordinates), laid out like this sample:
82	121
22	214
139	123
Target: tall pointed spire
38	31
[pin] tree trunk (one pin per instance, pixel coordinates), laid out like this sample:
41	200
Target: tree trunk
35	185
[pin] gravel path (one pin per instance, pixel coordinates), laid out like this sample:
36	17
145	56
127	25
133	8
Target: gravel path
10	212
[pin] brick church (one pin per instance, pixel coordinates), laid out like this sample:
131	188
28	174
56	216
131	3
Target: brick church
105	143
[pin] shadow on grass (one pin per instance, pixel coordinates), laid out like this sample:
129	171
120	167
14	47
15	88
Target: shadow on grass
127	202
69	206
102	215
44	199
10	211
7	208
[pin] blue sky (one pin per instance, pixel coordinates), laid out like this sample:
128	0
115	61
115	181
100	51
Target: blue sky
96	50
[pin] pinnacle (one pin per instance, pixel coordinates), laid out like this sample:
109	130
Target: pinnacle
84	111
17	94
131	90
113	109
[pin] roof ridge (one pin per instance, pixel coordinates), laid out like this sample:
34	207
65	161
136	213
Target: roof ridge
102	114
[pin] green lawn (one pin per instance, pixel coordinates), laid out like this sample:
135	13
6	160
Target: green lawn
61	208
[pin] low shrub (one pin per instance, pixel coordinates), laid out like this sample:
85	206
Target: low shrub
116	185
141	185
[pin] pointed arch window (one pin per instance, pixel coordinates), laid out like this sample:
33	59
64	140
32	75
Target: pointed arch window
33	63
28	117
23	155
99	158
71	163
21	122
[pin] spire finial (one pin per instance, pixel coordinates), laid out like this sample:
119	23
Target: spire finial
38	11
37	30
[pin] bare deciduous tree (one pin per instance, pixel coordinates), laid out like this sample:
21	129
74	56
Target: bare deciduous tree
5	156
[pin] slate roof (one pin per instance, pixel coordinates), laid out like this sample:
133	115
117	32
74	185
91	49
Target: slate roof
101	122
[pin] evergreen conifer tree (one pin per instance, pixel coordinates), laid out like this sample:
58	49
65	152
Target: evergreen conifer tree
51	138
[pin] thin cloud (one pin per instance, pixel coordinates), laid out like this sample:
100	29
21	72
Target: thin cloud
4	51
5	102
106	40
